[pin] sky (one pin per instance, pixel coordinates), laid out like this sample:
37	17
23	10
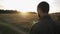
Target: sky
29	5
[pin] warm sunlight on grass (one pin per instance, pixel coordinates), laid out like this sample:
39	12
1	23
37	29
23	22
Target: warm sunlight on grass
23	12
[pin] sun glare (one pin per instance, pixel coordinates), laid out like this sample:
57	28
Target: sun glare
24	12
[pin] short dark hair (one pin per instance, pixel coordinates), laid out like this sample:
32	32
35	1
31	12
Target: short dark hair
44	6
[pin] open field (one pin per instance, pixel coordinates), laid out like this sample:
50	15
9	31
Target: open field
23	22
20	21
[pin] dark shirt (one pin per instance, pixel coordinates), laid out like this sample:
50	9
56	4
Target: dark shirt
44	26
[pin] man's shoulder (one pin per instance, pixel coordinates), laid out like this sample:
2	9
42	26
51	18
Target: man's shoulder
36	25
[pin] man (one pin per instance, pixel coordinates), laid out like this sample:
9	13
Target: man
45	24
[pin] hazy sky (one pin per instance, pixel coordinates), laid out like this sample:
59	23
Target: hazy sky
29	5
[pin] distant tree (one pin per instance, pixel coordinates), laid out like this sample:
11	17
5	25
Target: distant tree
8	12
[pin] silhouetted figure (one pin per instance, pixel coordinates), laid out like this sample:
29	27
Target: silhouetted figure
45	24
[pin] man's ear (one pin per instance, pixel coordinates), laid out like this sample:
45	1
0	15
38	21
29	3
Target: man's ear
38	15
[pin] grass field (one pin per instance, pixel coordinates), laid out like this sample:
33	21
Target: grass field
22	22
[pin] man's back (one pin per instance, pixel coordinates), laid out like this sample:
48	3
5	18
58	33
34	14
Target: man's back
44	26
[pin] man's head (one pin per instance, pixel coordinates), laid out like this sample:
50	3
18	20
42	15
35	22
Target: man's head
43	8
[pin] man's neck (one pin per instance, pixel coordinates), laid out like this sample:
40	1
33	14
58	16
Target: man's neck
43	15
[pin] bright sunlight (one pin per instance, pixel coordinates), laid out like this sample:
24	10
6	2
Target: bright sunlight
28	5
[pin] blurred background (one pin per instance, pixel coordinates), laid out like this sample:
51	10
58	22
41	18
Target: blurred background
22	14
